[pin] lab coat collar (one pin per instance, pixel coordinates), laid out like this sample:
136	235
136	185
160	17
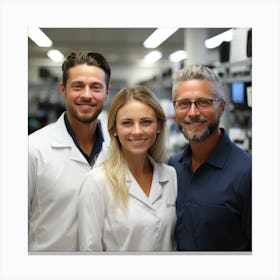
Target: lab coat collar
60	138
159	179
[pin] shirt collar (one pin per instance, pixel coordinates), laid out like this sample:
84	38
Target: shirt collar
98	141
218	155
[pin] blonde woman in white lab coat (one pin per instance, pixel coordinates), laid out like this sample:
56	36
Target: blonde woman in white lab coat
128	203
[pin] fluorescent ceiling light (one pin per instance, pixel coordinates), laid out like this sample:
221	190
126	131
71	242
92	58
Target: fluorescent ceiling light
55	55
39	37
177	56
218	39
153	56
158	36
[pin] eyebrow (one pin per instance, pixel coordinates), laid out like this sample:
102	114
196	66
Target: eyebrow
81	81
130	119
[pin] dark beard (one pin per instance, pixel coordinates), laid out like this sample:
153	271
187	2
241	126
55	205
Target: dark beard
85	120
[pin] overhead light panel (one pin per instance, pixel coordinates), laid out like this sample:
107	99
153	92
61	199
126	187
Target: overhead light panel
158	37
39	37
55	55
218	39
178	56
153	56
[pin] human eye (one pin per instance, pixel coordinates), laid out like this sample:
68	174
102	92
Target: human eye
183	104
96	87
146	122
203	102
77	86
126	123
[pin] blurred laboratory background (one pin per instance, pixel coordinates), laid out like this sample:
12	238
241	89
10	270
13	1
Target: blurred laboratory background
146	56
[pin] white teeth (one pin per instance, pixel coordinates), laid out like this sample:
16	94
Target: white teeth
137	141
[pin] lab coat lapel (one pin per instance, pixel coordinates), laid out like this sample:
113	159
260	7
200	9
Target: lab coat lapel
60	138
136	191
160	178
156	191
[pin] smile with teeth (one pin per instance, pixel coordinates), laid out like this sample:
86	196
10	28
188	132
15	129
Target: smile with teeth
137	141
195	123
86	106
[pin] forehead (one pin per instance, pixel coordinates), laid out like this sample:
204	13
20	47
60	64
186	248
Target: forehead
135	109
193	89
82	71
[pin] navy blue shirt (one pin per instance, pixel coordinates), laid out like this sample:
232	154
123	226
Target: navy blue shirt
214	202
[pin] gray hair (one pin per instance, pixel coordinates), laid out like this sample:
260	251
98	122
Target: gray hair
199	72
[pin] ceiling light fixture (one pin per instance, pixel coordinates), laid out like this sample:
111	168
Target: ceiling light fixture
158	37
153	56
178	56
55	55
218	39
39	37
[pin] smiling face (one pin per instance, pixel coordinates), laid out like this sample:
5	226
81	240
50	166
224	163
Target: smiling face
197	125
136	127
85	93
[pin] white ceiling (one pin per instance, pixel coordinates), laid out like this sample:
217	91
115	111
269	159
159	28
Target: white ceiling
123	48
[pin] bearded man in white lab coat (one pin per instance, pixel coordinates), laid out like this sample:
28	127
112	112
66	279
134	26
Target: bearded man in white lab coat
60	154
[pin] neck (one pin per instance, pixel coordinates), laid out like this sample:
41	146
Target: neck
138	166
142	171
201	150
84	133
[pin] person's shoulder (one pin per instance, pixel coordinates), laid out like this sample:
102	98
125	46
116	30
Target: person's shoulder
40	139
165	169
241	154
42	132
239	160
46	130
177	155
237	153
175	158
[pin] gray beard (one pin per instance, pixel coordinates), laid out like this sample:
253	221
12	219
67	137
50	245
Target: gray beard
207	132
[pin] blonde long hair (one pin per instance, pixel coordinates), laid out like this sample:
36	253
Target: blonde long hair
116	167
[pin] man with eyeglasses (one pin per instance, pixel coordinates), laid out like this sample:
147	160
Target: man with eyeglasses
214	175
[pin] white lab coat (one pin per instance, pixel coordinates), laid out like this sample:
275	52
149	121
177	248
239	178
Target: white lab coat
149	224
55	172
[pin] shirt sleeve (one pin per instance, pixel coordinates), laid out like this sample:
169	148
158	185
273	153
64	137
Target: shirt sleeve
245	191
91	212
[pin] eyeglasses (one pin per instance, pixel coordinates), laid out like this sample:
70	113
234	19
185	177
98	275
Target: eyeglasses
201	103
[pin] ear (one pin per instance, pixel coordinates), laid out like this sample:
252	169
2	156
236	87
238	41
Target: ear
159	125
62	90
222	107
107	93
114	131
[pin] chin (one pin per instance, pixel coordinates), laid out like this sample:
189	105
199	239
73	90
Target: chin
88	117
86	120
138	152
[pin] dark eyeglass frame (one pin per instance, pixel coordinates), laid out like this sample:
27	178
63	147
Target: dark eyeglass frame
200	103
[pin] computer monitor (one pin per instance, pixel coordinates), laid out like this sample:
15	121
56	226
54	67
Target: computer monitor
239	94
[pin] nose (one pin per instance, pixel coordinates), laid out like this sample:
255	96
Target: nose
86	93
193	111
137	129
